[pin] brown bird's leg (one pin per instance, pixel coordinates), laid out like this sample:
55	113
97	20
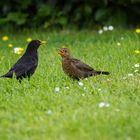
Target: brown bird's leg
75	78
103	72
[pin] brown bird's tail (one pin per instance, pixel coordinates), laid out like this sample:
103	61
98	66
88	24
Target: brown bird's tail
103	72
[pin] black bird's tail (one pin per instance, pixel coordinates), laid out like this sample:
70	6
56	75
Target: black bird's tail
3	76
103	72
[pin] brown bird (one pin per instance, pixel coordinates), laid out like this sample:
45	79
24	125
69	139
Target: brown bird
75	68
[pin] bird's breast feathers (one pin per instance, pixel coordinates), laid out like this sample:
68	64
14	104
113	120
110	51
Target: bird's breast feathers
70	69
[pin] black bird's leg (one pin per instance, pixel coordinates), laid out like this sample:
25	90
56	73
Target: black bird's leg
19	79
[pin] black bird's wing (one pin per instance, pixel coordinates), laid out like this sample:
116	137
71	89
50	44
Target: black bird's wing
81	66
24	67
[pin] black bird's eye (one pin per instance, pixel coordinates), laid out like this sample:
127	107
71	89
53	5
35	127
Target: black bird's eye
38	42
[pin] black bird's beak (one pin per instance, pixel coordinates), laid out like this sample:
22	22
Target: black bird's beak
43	42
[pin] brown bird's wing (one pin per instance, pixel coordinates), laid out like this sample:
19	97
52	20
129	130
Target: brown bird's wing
80	65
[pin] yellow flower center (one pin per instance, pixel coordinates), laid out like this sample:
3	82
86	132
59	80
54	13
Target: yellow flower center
5	38
10	45
137	51
137	30
29	39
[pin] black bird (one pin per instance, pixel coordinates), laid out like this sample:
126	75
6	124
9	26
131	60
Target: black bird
27	64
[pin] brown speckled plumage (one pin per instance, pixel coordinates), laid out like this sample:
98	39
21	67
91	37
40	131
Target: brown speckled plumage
75	68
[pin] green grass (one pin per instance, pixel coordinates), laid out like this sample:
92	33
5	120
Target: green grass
33	110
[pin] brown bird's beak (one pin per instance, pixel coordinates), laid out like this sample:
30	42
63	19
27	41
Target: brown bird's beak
43	42
60	52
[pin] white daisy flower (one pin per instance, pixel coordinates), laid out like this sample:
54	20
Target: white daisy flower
18	50
108	79
105	28
136	65
83	95
118	43
49	112
136	71
110	28
100	31
80	84
85	88
130	74
57	89
99	89
124	78
66	87
103	104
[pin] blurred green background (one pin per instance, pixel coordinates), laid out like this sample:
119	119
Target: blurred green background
69	13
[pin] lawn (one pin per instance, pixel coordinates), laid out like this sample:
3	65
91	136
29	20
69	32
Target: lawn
51	106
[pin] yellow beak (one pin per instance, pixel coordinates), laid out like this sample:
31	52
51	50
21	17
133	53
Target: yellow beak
43	42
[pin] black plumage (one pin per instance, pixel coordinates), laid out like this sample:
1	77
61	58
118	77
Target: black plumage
27	64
